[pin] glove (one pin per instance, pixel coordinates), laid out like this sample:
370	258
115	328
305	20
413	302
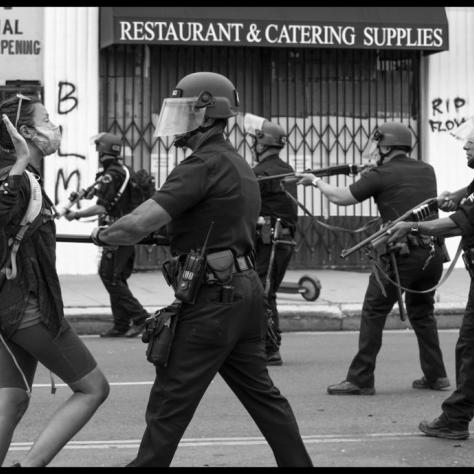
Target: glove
95	236
71	215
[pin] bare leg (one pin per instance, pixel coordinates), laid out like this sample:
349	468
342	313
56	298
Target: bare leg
13	404
89	393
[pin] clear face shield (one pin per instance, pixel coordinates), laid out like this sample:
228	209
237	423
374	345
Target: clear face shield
371	154
465	134
252	123
465	131
179	116
253	126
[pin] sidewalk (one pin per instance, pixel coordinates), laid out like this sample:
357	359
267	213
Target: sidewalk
338	306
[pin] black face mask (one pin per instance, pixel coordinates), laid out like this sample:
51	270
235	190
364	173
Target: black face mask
181	141
253	148
382	157
106	160
470	163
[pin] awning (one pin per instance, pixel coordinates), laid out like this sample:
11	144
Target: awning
395	28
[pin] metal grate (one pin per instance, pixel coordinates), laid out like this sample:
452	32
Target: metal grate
329	101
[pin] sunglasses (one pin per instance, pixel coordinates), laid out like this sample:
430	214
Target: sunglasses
20	98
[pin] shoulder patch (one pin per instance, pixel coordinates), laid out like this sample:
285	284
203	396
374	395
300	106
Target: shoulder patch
106	178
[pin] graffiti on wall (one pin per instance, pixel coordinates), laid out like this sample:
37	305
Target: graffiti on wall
442	111
67	102
67	181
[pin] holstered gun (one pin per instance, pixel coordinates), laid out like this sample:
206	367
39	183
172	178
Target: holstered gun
159	334
264	230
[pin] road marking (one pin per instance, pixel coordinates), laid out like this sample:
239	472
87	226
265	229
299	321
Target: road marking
233	441
340	332
48	385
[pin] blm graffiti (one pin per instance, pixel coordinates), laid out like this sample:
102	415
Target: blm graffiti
67	182
442	110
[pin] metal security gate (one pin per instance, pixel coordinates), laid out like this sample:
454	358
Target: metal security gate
329	101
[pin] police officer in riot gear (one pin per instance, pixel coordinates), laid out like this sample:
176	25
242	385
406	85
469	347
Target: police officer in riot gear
397	184
214	184
457	410
116	264
268	140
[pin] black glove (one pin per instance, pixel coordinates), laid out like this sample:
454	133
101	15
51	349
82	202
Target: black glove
95	236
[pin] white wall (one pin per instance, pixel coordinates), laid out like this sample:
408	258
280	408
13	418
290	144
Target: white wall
71	58
447	99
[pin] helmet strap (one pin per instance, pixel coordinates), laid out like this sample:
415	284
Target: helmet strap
382	156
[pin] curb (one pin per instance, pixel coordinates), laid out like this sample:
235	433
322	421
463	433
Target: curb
293	317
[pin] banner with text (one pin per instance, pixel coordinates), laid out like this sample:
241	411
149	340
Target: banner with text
279	34
21	43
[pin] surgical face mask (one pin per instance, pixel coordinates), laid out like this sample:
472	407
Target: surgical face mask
47	139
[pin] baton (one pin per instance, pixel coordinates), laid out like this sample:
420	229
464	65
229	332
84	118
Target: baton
401	308
152	239
330	171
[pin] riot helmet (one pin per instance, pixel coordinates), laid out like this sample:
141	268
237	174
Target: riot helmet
265	134
108	146
390	135
196	96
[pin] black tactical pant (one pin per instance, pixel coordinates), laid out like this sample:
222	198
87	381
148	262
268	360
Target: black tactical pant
281	261
458	408
116	266
226	338
420	312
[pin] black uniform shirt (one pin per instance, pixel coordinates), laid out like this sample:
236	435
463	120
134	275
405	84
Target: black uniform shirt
464	218
275	203
397	186
114	176
215	184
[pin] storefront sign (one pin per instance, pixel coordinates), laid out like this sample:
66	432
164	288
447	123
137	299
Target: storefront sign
21	43
279	34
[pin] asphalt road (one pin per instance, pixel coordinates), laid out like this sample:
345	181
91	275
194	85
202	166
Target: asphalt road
345	431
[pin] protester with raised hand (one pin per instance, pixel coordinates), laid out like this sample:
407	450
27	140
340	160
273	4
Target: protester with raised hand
32	324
